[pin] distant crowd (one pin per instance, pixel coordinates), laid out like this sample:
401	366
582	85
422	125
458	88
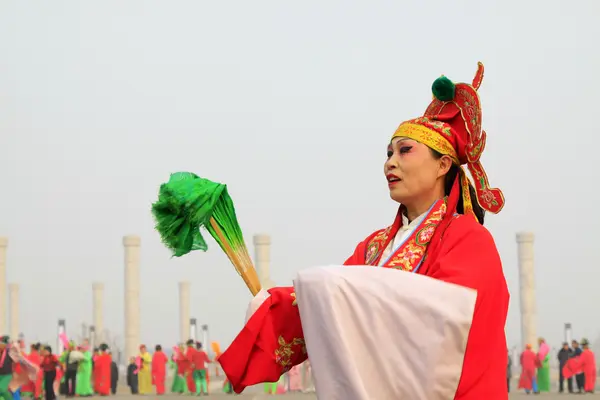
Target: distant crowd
577	364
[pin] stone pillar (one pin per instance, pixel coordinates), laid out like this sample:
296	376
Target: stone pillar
132	295
194	329
205	344
262	259
3	246
98	312
61	330
13	298
527	285
184	311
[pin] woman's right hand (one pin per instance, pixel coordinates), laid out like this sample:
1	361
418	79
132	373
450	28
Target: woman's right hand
256	303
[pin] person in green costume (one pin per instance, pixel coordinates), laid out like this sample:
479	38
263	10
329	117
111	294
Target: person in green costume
543	372
83	388
181	366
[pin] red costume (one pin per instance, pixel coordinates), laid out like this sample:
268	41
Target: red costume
159	371
102	374
529	363
458	250
190	353
588	366
35	387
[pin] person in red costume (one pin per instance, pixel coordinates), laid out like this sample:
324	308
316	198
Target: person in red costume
529	361
35	388
437	244
588	366
159	369
102	367
190	354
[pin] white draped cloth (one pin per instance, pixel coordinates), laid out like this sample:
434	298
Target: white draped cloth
382	334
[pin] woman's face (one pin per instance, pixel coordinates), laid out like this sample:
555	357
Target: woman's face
414	175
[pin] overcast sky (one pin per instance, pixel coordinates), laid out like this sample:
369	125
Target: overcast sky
292	105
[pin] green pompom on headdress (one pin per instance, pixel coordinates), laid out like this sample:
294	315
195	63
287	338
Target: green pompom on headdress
443	89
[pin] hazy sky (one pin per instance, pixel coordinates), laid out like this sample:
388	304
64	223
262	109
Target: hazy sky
292	105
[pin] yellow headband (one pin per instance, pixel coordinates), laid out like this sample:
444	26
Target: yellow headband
436	141
428	137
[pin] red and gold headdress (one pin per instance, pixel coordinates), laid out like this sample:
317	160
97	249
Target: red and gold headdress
451	125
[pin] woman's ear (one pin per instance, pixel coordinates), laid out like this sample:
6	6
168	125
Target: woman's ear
445	165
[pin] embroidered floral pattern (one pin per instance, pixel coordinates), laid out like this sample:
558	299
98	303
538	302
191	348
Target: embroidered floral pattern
372	252
283	355
411	253
294	302
375	246
428	135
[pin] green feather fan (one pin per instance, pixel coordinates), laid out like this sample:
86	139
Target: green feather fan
185	204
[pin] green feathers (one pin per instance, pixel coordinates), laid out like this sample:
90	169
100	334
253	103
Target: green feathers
443	89
185	204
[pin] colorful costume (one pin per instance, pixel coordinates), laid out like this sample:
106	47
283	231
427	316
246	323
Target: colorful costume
102	372
527	380
144	374
588	367
83	388
199	360
34	388
159	371
543	372
448	244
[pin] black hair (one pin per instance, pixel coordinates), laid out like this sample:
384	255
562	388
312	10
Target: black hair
198	345
449	182
190	342
48	348
158	347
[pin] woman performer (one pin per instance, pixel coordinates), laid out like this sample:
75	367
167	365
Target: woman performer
588	366
49	365
144	374
182	365
34	388
103	371
83	387
528	380
438	233
543	365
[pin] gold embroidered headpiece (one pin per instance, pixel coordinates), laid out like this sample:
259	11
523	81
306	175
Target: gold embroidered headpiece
451	125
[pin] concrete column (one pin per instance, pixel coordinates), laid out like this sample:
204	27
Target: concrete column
205	343
527	285
3	246
262	259
98	311
61	330
184	311
13	296
132	295
193	329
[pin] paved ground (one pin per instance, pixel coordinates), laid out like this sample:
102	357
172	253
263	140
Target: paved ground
312	397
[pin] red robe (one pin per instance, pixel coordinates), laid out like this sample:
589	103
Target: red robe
159	371
528	367
35	387
272	341
189	374
588	365
102	374
95	379
572	367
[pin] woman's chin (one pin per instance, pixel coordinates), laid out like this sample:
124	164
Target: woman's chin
397	197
